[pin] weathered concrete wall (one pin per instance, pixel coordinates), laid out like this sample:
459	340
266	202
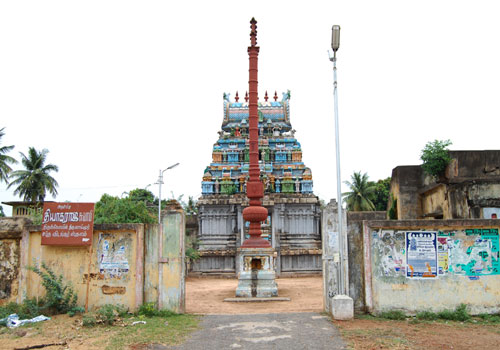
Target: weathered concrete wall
108	272
469	189
126	264
334	268
405	182
356	254
171	267
461	265
10	239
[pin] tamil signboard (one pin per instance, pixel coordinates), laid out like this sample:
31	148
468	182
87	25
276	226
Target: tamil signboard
69	224
421	254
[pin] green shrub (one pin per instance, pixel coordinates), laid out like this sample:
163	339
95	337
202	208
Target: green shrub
28	309
460	314
31	308
75	310
8	309
150	310
393	315
89	320
490	318
427	315
107	314
59	296
435	157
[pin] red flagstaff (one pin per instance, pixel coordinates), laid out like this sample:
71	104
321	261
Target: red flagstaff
255	213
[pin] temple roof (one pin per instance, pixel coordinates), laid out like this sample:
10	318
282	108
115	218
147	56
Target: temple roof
280	154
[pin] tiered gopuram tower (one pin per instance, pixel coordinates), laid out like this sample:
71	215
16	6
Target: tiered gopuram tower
293	224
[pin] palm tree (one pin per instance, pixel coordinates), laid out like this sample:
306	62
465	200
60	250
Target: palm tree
358	199
5	160
34	182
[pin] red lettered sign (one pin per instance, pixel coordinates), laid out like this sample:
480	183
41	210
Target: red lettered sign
67	223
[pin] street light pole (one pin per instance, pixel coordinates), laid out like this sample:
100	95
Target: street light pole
160	182
335	47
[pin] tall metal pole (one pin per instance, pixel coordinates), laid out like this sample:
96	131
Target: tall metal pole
160	182
335	47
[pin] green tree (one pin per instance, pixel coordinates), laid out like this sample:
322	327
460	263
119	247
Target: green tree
5	160
2	214
435	157
114	210
34	182
359	198
380	196
142	195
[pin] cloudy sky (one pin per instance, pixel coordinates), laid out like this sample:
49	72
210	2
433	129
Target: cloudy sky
117	90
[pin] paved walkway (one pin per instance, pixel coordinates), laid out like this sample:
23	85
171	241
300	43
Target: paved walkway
263	331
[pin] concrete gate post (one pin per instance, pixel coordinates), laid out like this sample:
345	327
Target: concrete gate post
171	259
337	303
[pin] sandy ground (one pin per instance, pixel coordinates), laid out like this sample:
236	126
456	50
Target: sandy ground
206	296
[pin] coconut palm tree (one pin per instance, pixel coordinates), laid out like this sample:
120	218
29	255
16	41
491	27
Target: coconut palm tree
5	160
34	182
358	199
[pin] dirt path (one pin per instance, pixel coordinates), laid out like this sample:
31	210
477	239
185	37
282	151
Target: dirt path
206	296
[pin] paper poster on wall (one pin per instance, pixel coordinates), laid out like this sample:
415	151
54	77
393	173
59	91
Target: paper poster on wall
421	254
443	255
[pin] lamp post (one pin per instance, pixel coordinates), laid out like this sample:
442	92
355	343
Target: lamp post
160	182
335	47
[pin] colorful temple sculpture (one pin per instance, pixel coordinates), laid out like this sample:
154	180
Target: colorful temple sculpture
293	224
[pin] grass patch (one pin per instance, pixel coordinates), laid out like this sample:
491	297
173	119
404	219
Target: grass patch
157	330
427	316
488	318
460	314
393	315
377	338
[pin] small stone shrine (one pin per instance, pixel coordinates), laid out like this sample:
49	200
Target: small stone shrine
293	223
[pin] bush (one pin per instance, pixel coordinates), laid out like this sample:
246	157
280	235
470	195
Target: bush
107	314
426	315
89	320
435	157
28	309
460	314
60	297
151	310
490	318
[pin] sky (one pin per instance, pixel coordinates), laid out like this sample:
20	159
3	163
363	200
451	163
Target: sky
117	90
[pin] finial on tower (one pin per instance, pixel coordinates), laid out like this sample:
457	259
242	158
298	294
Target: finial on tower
275	95
266	97
253	33
236	97
246	96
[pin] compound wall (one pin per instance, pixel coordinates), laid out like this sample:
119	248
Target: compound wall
433	265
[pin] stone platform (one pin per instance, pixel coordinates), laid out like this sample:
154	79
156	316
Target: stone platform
256	277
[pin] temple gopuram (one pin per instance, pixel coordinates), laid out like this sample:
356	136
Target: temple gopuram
293	224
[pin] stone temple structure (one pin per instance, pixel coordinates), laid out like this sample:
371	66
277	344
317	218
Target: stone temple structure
293	224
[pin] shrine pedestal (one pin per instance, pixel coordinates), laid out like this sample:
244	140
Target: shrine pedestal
256	275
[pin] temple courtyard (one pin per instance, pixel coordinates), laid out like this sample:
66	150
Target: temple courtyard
206	296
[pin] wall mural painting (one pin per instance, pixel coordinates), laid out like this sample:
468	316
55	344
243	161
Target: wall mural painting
431	254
